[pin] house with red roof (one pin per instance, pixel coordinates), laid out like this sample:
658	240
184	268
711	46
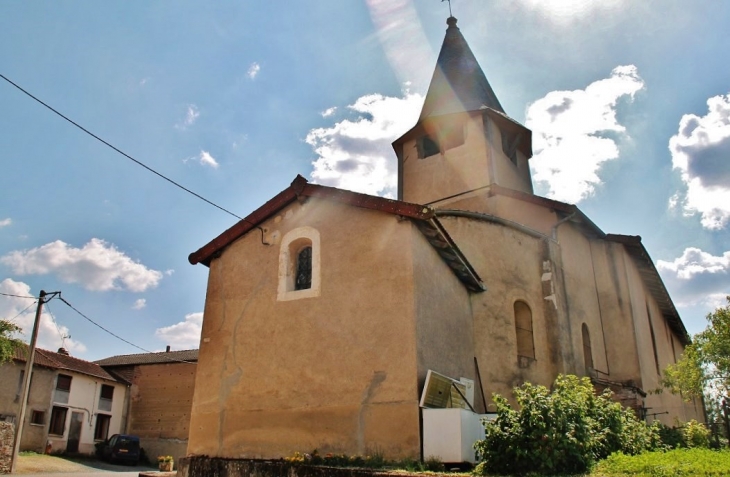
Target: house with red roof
72	403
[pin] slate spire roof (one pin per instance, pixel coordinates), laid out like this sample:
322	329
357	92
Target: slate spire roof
458	83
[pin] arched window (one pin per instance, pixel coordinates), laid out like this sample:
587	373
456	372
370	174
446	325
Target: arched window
299	270
304	269
523	329
587	352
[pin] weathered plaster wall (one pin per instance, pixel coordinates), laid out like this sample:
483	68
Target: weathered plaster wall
616	316
510	264
444	325
503	171
335	372
39	398
459	169
646	311
161	397
582	300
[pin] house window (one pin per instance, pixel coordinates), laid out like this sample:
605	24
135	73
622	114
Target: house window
20	384
587	352
101	432
63	389
58	421
523	329
427	146
105	398
304	269
38	417
299	267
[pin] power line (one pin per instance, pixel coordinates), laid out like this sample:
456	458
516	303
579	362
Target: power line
122	152
117	336
26	309
19	296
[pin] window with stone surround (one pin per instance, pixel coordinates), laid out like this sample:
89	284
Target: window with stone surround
299	264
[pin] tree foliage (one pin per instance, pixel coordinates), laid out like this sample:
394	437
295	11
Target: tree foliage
8	344
704	368
564	430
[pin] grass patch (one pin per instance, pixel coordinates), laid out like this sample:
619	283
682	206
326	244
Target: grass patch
679	462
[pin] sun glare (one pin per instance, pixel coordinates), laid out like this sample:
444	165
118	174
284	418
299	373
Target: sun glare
570	9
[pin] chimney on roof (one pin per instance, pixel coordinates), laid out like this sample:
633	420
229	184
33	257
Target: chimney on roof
63	351
168	349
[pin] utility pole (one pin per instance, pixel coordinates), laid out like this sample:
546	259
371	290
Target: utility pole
26	379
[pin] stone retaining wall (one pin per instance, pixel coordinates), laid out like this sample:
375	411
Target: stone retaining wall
204	466
7	432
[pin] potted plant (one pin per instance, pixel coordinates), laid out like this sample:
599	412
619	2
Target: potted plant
165	463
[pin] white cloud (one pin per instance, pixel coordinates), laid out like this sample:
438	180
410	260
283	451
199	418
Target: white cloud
139	304
183	335
5	222
329	112
192	114
98	266
701	151
207	160
357	155
22	312
570	134
169	272
697	277
253	70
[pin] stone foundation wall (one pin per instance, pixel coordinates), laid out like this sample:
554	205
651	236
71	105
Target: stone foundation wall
204	466
7	432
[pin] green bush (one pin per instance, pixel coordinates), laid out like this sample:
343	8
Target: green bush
678	462
690	434
696	434
561	431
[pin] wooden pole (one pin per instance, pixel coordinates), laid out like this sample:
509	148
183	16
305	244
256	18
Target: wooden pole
26	382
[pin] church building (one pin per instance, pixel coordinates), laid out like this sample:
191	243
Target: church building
326	308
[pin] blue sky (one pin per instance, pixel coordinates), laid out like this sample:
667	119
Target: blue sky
628	102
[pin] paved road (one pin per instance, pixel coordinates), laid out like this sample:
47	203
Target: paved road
35	465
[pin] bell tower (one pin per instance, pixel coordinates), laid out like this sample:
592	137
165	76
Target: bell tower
463	142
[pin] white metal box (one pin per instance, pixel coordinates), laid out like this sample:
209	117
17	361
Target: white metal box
449	434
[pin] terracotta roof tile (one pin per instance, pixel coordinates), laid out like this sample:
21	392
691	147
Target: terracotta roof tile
189	355
49	359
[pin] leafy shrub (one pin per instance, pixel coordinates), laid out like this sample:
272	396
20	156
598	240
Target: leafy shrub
561	431
678	462
696	434
689	434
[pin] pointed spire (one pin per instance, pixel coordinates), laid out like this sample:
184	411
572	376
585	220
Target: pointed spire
458	83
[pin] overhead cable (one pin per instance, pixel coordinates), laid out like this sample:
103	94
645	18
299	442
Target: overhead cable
120	151
119	337
19	296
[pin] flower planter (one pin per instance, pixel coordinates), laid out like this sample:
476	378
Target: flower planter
165	466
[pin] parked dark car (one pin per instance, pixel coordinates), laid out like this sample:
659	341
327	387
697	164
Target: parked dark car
122	448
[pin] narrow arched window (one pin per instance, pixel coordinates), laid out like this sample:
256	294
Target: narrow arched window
587	352
304	269
523	329
299	264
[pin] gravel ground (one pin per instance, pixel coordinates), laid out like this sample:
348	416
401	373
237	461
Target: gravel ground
38	464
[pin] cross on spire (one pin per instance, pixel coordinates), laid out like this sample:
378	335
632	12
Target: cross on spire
450	14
